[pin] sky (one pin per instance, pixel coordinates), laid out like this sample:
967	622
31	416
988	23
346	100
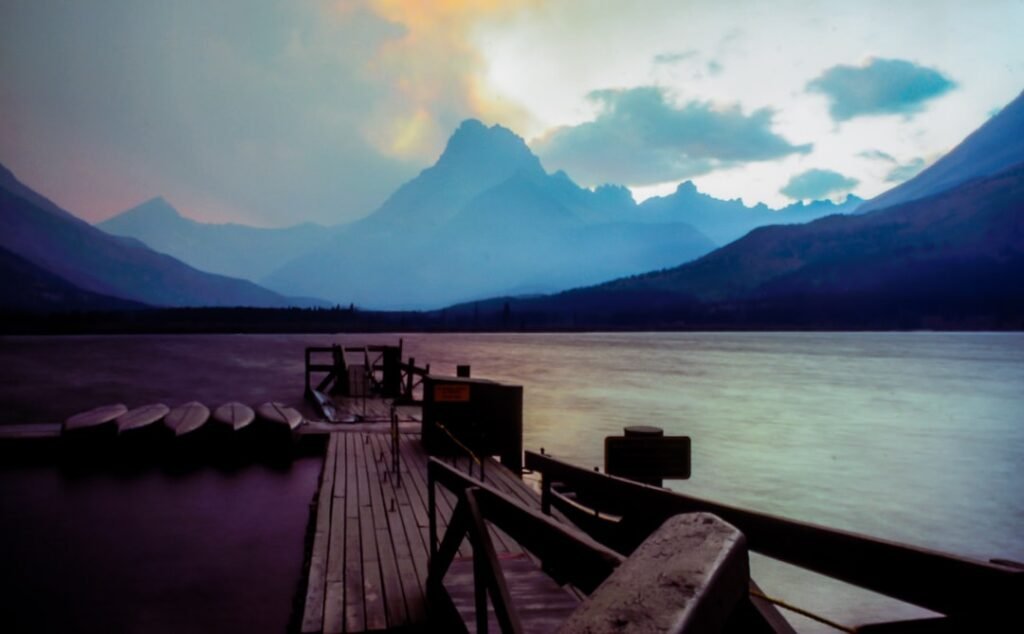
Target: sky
275	112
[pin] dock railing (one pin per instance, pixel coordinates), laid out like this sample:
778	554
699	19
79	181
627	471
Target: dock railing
383	372
972	595
575	558
691	575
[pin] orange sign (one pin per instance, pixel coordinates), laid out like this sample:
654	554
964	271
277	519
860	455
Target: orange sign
449	393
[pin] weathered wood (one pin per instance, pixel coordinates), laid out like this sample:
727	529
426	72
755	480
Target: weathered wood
403	541
373	587
937	581
334	593
486	565
334	608
393	594
688	576
313	612
354	606
575	556
369	560
541	604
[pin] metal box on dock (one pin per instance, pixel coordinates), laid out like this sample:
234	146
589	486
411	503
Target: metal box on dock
484	416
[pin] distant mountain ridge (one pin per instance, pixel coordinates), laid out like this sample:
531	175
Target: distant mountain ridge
227	249
996	146
726	220
952	257
56	242
484	219
487	218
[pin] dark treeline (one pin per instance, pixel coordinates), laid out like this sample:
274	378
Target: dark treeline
560	313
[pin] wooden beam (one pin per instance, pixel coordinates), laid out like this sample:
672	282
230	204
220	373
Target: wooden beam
937	581
688	576
576	557
486	564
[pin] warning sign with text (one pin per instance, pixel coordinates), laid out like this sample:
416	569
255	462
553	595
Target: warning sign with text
448	393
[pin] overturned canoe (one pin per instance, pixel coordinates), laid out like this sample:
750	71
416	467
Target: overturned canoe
279	413
141	417
234	414
187	418
95	417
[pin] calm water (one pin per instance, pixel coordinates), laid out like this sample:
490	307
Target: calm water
917	437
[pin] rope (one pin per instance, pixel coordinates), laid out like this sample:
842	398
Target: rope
792	608
459	443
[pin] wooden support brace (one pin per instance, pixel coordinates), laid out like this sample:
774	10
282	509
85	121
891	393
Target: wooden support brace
486	564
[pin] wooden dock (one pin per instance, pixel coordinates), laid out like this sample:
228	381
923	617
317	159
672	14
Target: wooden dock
368	566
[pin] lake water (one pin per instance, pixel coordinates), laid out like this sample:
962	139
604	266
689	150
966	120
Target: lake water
916	437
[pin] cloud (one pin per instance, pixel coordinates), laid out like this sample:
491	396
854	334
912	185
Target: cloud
877	155
816	184
269	113
906	171
640	138
674	57
714	67
435	73
881	86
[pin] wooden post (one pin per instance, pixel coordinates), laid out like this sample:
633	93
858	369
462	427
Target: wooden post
392	380
688	576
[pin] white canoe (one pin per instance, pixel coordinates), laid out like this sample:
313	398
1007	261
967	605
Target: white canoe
141	417
95	417
280	413
234	414
186	418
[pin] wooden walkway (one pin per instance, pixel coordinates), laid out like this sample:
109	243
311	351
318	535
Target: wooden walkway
368	565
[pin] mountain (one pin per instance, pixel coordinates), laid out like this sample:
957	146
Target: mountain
485	219
54	240
995	146
227	249
475	159
955	257
726	220
10	184
30	288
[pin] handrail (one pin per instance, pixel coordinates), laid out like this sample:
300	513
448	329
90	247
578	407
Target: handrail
408	384
469	452
572	556
951	585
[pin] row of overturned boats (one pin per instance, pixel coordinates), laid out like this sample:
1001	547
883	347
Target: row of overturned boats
112	436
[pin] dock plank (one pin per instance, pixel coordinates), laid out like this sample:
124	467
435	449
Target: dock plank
369	558
334	598
313	613
354	606
398	509
373	590
393	594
